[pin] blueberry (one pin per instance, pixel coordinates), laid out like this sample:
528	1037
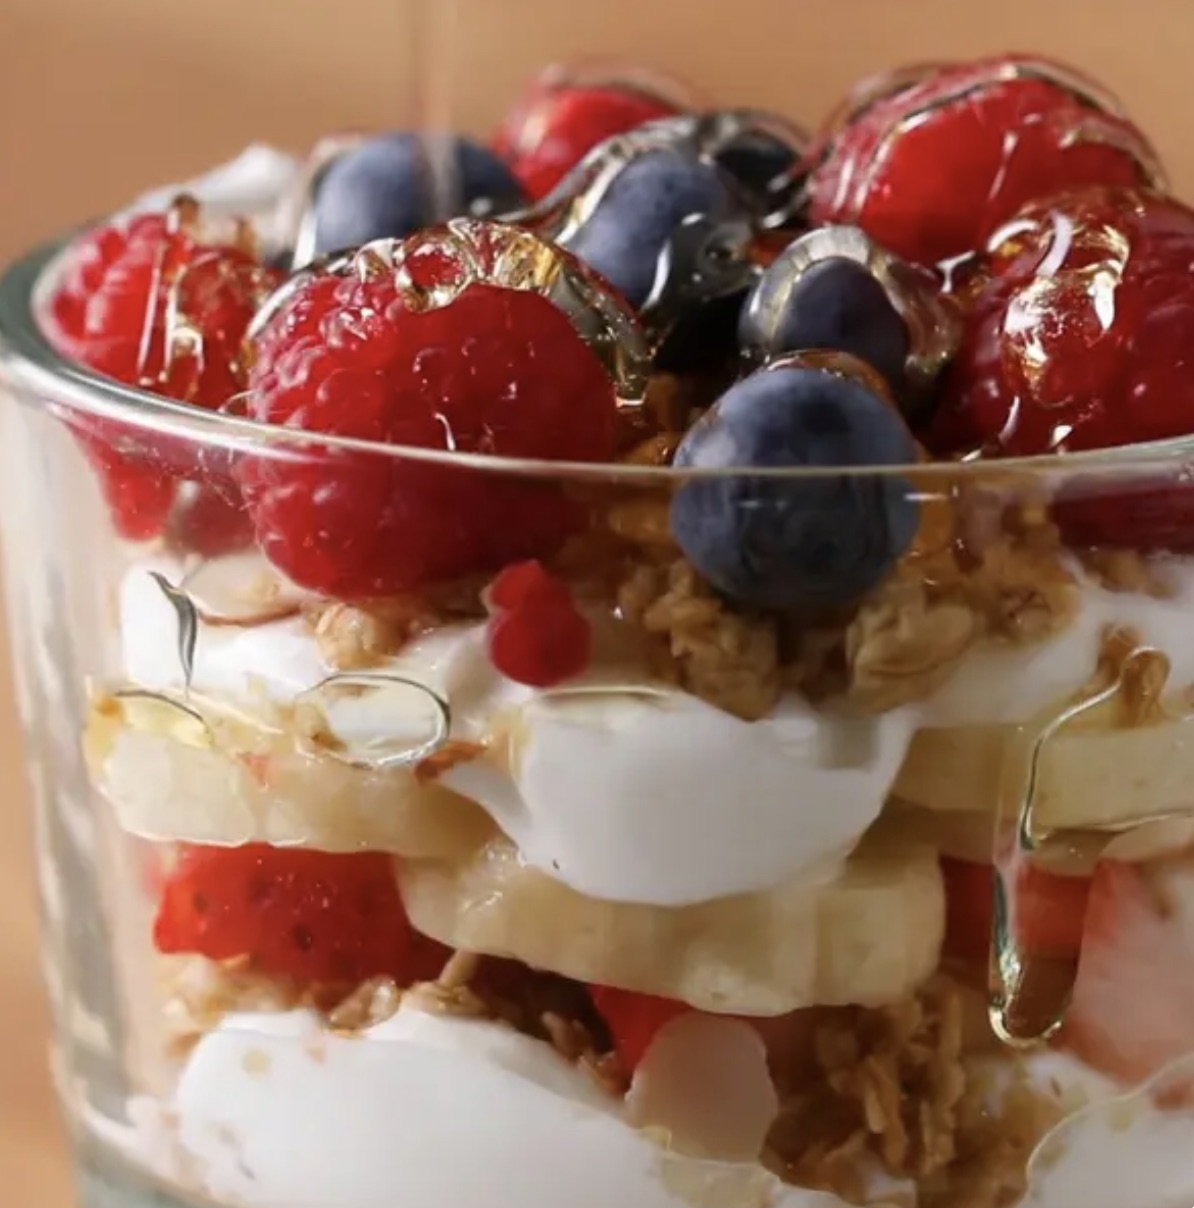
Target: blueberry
384	189
635	218
812	539
835	303
764	167
704	338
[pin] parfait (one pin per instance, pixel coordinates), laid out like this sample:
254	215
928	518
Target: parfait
639	661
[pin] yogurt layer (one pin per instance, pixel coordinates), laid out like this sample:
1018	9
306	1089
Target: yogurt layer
275	1112
254	185
622	788
998	685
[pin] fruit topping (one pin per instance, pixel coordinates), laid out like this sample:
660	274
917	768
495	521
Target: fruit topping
1080	341
564	116
660	222
931	170
312	916
536	634
835	289
149	302
1133	1006
1048	910
392	185
633	1019
452	340
814	539
838	304
670	213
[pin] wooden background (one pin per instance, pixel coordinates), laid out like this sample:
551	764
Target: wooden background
100	98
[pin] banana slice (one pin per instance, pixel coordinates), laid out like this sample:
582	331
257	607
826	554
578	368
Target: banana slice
869	935
172	775
1132	782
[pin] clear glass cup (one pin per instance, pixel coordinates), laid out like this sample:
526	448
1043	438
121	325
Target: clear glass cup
530	814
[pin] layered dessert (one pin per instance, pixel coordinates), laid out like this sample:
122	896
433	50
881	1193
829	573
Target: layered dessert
634	675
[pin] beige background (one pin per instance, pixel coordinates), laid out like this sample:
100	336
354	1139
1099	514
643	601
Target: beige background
99	98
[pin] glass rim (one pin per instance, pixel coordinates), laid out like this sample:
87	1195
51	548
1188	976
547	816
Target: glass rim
28	358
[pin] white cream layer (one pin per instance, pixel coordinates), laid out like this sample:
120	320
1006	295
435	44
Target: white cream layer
622	788
273	1111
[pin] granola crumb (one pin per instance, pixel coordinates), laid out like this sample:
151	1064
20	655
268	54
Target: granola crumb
727	658
980	570
372	1002
1126	570
352	637
904	644
896	1086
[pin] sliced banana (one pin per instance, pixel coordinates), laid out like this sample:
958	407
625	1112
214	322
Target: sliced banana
869	935
1132	782
206	779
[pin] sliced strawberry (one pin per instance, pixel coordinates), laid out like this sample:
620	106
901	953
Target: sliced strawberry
633	1019
1133	1006
313	916
1048	911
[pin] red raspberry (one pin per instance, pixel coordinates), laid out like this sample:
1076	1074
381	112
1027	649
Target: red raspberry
932	170
496	371
1081	341
148	303
209	520
312	916
558	123
536	634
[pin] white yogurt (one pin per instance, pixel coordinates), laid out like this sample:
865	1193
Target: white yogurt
621	788
1131	1148
254	185
274	1112
647	794
1010	684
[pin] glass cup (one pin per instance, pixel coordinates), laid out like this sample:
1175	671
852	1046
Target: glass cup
533	736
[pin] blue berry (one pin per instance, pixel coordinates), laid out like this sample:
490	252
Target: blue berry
835	304
810	539
384	189
764	167
642	208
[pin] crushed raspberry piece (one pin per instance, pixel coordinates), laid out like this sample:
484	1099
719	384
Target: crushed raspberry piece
633	1019
313	916
1048	910
148	303
536	634
496	371
525	584
931	170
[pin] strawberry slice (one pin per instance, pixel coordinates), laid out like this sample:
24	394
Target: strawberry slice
633	1019
1048	911
313	916
1133	1006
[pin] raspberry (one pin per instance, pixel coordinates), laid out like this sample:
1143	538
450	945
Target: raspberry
556	125
1080	341
208	520
931	170
536	635
312	916
148	303
496	371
